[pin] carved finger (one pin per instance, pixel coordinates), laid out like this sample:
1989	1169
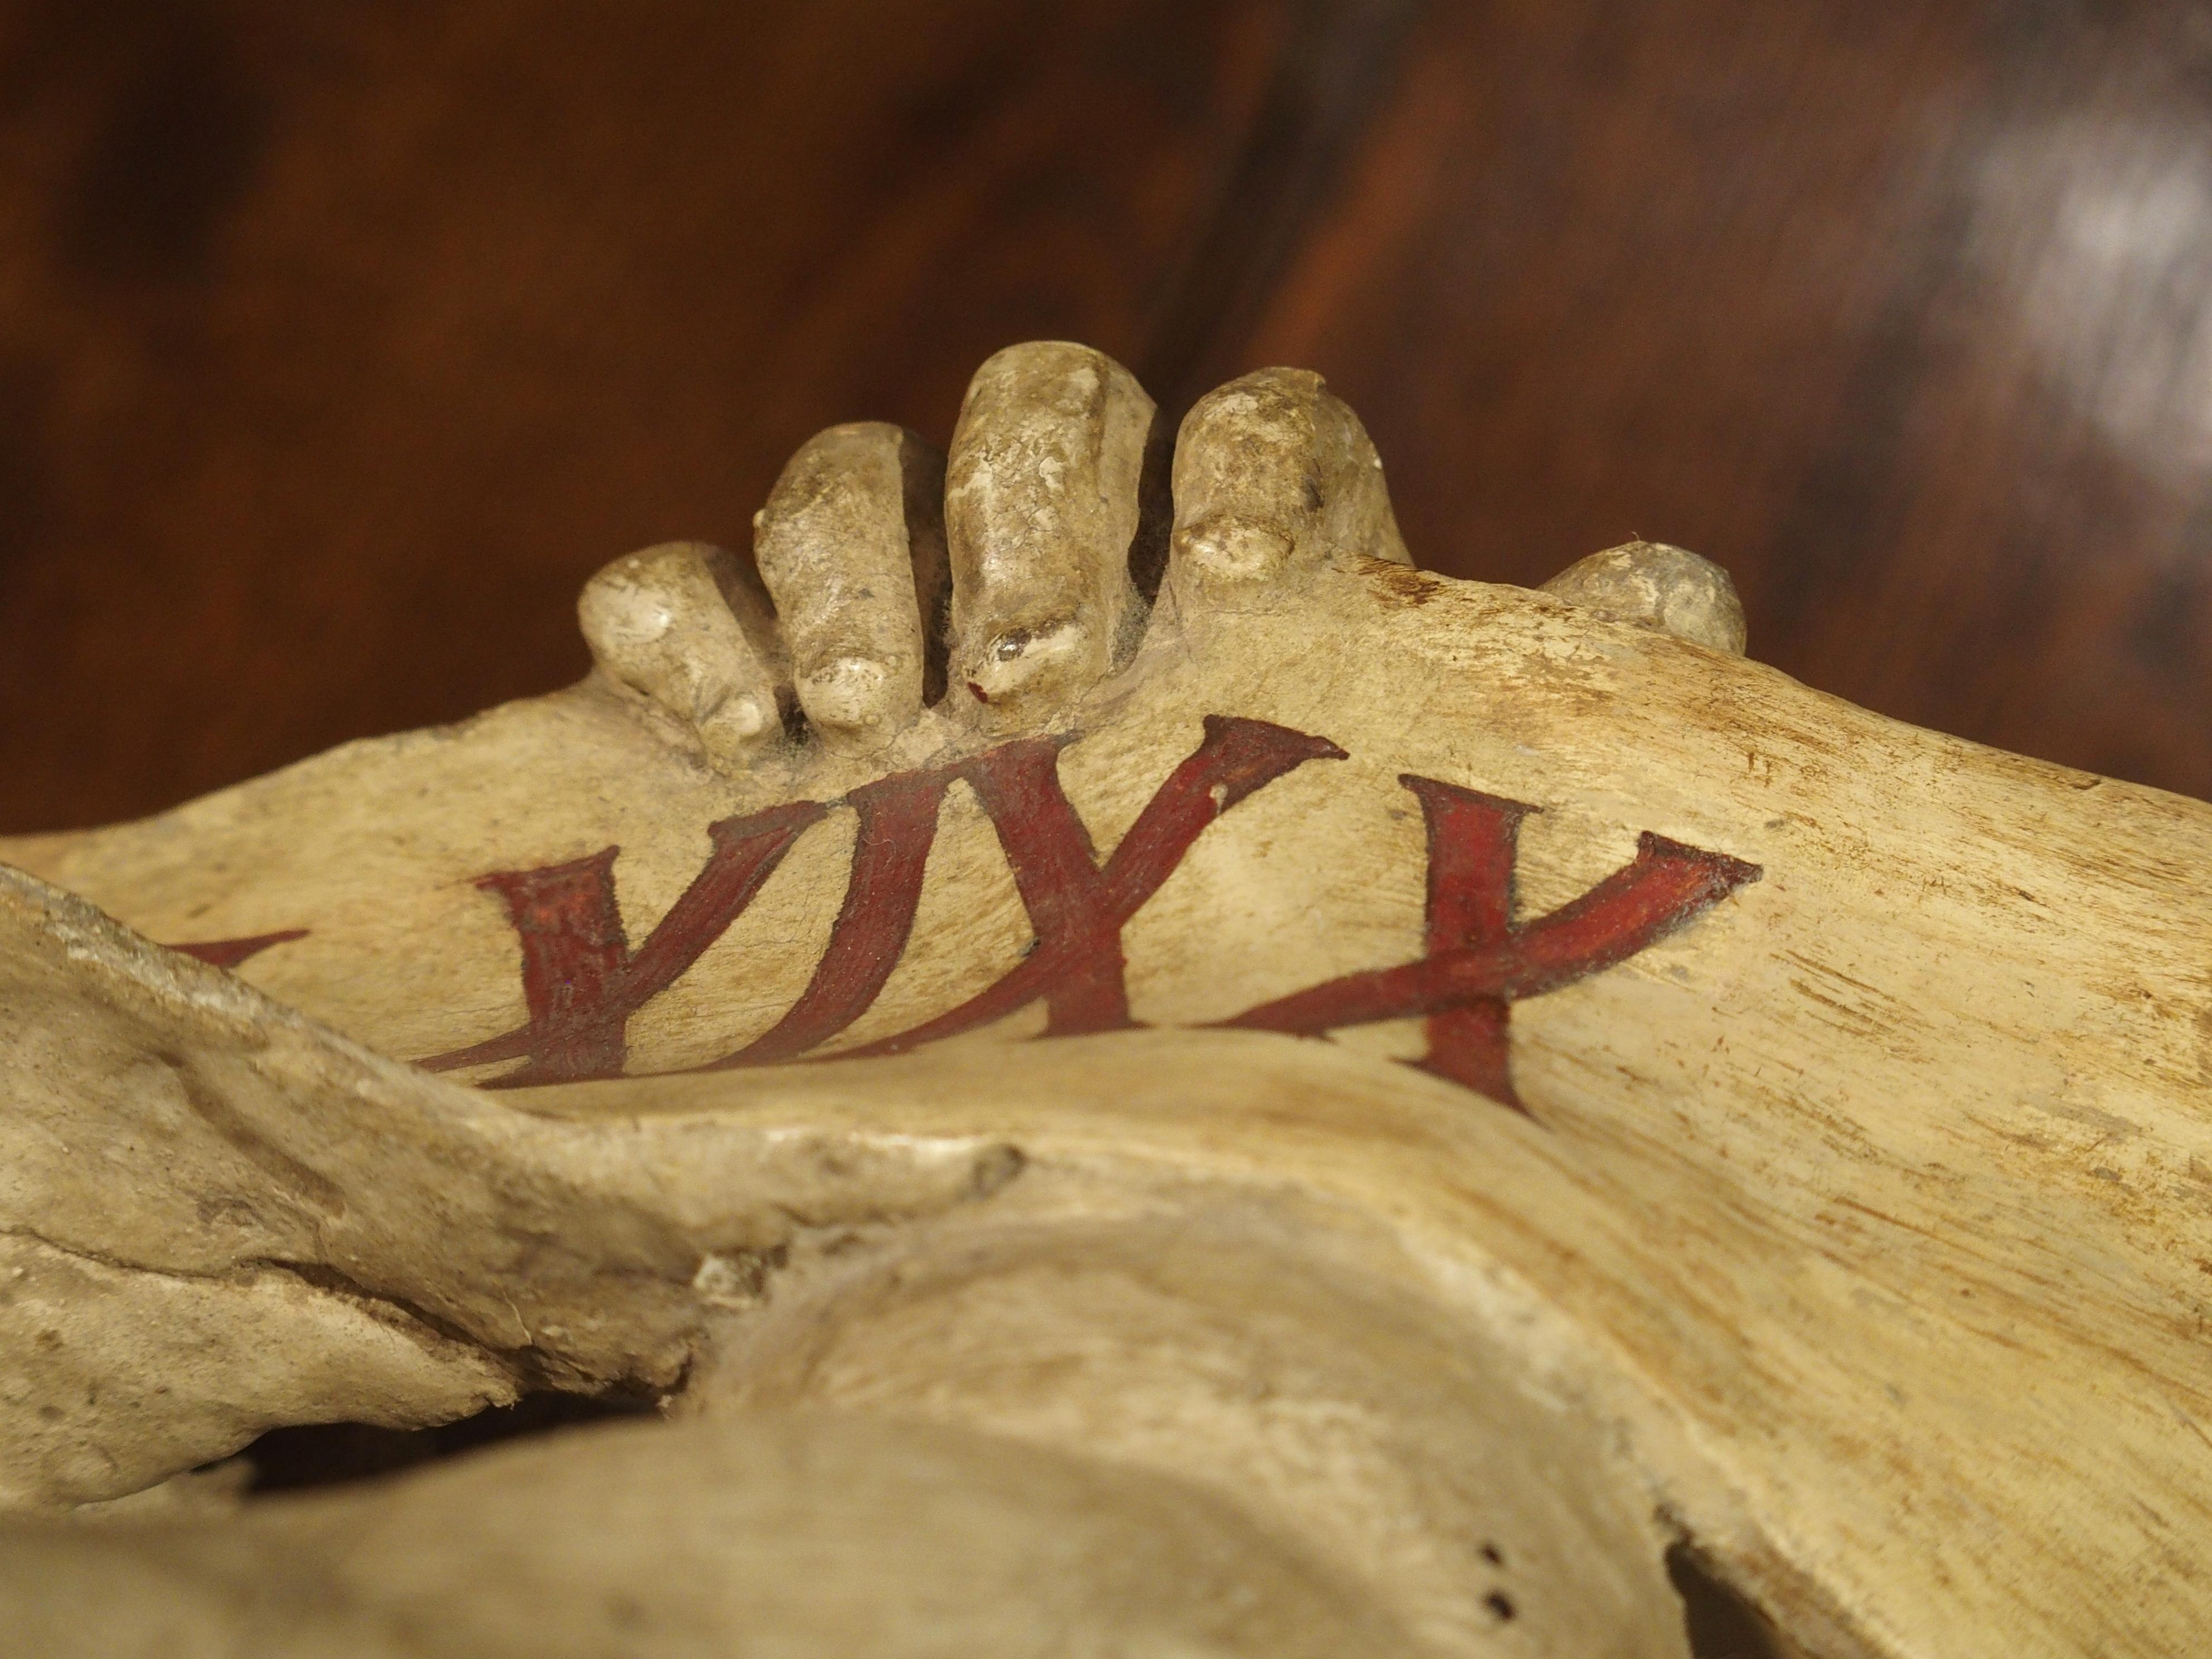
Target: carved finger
1044	506
851	545
1274	474
686	624
1655	585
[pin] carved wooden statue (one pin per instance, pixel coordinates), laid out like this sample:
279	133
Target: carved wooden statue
1141	1078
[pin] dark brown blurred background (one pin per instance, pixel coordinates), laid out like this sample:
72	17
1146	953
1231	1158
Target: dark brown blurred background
339	343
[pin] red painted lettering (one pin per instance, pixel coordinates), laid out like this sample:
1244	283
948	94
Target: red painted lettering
898	826
1078	908
582	984
1479	961
229	952
581	981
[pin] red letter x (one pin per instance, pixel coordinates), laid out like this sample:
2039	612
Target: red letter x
1479	962
1078	908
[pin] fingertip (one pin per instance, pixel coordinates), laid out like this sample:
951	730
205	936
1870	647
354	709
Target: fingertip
1019	671
1227	548
683	625
1657	585
733	728
1275	477
1044	517
849	693
850	545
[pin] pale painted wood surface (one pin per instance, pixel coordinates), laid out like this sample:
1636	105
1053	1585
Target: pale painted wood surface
1872	1208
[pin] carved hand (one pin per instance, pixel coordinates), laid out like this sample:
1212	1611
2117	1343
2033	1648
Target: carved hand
1744	1122
998	586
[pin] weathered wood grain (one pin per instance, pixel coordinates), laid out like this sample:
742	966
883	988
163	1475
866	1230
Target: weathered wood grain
1859	1222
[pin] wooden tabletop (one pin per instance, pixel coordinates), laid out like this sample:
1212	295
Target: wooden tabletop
339	345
